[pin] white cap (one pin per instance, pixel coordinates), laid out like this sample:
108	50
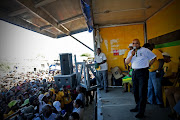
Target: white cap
165	54
41	96
57	105
130	45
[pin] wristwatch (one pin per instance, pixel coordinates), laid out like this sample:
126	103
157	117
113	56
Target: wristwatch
157	71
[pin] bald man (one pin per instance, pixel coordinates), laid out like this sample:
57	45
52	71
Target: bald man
139	58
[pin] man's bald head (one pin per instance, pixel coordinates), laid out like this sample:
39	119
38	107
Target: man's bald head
136	43
137	40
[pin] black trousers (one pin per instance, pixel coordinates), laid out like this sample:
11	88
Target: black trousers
140	83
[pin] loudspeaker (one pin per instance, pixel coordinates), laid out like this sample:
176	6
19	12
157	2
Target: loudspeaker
66	63
66	80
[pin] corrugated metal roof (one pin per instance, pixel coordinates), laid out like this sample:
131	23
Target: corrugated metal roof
57	18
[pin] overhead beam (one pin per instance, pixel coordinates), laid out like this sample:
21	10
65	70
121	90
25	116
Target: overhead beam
22	23
46	27
18	12
115	25
42	3
71	19
42	14
55	19
122	10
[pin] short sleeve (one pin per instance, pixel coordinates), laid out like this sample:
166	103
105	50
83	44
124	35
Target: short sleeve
128	55
158	54
104	57
150	54
125	54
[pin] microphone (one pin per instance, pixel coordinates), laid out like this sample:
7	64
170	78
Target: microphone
134	49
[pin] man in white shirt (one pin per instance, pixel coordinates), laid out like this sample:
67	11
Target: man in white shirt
80	94
101	59
139	58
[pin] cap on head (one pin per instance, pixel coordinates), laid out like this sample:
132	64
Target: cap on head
130	45
57	105
166	54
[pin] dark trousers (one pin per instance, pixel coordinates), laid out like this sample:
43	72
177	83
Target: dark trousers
140	83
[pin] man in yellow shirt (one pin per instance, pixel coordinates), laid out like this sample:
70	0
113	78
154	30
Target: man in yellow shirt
170	69
155	77
66	99
126	66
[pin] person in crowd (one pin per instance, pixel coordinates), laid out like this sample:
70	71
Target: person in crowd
47	113
126	66
170	70
57	94
42	101
26	95
78	107
52	95
101	60
74	116
57	106
155	77
66	99
13	107
80	94
139	58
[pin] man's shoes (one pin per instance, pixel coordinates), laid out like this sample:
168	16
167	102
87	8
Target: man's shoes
161	105
134	110
148	102
124	91
172	115
86	105
139	115
106	91
101	88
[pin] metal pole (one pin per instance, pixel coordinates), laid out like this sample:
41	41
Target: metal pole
145	33
84	69
76	64
94	32
81	43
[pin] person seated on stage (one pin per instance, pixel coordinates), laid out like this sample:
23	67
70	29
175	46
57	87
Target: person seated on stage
170	69
173	96
127	79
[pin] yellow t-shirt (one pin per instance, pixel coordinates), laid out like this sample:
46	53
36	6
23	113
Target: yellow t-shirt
65	100
155	65
170	68
126	54
58	96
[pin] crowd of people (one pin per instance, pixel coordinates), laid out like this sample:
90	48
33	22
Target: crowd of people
41	99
